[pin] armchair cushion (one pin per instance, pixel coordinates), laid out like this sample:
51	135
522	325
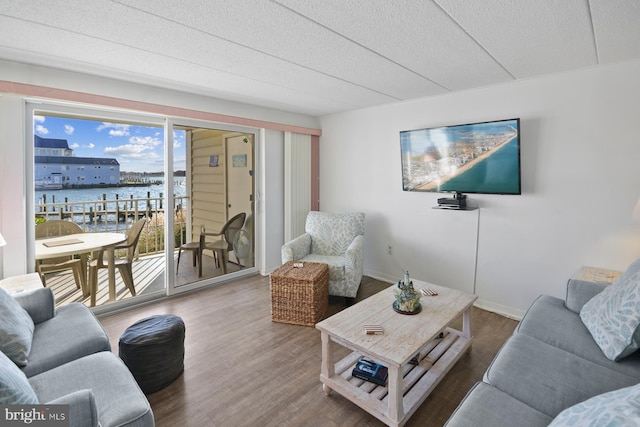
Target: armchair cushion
333	233
16	329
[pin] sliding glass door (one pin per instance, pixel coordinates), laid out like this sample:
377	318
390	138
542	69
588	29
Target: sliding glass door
217	238
108	171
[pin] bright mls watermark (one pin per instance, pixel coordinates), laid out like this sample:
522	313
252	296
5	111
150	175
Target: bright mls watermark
34	415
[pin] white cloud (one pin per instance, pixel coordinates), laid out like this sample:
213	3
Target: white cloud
68	129
115	129
74	145
147	141
90	145
39	119
42	130
131	151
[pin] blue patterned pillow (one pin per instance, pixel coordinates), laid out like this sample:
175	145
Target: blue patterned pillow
16	329
615	408
14	386
613	316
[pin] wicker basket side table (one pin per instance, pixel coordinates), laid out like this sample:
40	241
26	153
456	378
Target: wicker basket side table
299	295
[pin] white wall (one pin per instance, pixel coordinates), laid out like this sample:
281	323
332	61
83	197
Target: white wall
580	140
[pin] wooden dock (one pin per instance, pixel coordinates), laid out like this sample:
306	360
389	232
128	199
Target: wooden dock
122	215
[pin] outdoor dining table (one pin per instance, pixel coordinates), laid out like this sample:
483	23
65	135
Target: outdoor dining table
81	244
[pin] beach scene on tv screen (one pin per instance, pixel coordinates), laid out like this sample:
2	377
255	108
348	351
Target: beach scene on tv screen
474	158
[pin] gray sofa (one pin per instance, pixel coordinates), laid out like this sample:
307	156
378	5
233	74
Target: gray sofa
550	364
67	360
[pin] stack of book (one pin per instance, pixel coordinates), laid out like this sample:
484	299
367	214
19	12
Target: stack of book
370	371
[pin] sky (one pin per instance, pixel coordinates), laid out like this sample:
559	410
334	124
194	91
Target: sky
137	148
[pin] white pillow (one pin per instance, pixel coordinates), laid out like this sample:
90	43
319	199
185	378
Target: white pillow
16	329
615	408
613	316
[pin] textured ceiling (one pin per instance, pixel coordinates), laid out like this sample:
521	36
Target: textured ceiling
319	56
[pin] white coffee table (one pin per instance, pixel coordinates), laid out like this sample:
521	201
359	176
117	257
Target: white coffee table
427	334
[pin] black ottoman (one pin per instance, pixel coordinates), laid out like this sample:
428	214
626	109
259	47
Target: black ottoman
153	350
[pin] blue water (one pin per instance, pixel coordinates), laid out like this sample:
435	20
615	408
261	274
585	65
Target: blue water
498	173
93	195
96	194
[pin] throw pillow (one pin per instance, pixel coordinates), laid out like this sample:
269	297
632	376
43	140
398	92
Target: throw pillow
16	329
615	408
14	386
613	316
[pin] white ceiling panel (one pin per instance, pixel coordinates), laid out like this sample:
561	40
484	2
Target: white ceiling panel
319	57
529	38
277	31
616	26
413	36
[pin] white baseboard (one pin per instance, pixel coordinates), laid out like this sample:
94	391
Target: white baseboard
500	309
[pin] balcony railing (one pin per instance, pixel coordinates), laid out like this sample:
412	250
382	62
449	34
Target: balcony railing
118	215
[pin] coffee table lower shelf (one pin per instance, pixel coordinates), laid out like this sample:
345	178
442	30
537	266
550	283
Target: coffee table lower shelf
436	359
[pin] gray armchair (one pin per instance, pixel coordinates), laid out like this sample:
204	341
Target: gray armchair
336	240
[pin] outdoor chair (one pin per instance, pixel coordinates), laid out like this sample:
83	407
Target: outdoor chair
224	243
194	247
78	266
124	265
336	240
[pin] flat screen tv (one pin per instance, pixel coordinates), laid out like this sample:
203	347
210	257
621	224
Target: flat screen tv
471	158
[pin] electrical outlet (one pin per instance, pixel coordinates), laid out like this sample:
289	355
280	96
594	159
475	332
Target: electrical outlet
389	250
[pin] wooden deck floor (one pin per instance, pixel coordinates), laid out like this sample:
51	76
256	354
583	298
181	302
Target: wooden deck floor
148	275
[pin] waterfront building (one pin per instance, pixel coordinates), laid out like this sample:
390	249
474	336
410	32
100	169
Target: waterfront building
56	167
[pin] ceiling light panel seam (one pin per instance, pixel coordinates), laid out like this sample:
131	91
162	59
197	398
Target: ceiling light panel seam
474	39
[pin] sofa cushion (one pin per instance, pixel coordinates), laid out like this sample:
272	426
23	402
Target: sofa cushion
542	322
82	408
118	399
55	344
579	292
615	408
486	406
16	329
547	378
14	387
613	316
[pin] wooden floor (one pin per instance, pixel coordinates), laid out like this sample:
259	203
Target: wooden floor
241	369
